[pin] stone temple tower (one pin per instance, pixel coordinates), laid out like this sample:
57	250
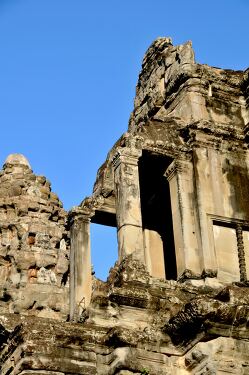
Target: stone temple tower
176	187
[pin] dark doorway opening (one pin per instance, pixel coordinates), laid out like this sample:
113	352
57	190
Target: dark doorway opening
156	208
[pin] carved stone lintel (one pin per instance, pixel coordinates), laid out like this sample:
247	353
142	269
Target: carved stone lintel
209	134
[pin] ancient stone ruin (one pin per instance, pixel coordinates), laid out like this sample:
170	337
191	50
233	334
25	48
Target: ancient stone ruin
176	187
34	257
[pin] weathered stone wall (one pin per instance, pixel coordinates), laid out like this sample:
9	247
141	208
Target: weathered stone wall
34	243
135	325
172	84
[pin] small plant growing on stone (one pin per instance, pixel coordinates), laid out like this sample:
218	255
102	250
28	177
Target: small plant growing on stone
144	371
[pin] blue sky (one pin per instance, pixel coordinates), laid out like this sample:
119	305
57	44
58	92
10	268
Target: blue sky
68	71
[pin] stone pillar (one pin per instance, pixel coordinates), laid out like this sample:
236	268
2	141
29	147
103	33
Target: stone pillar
241	253
211	196
129	219
80	265
180	177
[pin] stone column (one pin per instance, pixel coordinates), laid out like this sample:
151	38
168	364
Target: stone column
80	265
129	219
180	177
241	253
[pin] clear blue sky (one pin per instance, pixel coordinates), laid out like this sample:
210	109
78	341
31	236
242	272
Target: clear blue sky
68	70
